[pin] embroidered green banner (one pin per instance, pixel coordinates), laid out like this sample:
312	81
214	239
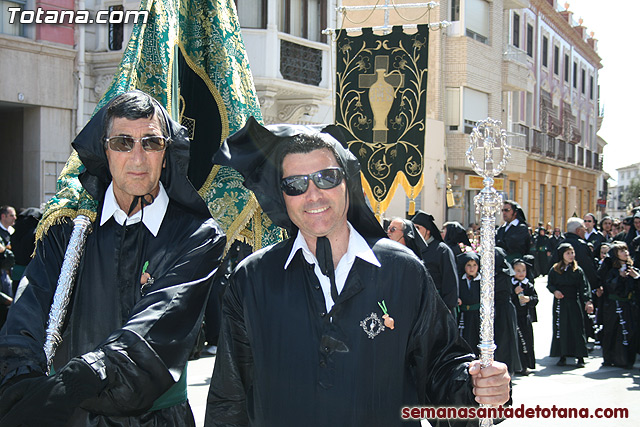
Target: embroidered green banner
381	91
191	57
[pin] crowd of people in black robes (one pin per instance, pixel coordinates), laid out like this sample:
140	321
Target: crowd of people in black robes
592	270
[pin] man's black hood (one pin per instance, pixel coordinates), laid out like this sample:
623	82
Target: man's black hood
96	178
413	239
456	234
427	221
256	152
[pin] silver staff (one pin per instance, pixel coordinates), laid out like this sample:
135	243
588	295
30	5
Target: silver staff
492	140
66	280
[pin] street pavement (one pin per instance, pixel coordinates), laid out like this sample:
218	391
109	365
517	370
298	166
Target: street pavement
590	387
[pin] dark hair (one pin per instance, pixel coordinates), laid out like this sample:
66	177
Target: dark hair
306	143
4	209
133	105
593	218
560	265
616	247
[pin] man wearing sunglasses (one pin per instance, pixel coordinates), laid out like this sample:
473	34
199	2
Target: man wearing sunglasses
337	325
140	289
513	235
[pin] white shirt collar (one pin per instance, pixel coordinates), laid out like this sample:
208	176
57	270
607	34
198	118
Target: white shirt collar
516	281
153	213
514	222
357	247
9	230
473	279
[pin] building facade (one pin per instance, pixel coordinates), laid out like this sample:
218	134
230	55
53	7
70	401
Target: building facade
618	205
544	68
38	101
525	62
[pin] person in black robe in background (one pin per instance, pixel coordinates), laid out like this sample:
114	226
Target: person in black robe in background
568	284
592	235
439	259
23	242
337	325
455	236
140	290
620	282
524	298
541	252
506	321
513	235
469	301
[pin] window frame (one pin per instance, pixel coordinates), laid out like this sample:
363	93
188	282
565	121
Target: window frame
515	31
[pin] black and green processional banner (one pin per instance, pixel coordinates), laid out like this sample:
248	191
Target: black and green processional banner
381	92
190	56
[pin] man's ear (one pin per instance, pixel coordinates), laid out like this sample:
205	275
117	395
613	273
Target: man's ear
164	161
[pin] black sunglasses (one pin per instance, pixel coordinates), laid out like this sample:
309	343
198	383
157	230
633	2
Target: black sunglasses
125	143
324	179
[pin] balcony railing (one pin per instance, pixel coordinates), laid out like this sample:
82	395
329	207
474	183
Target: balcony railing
562	151
526	132
538	142
580	156
571	153
299	63
550	149
515	54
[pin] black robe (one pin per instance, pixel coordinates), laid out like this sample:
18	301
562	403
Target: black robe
525	325
282	360
506	324
516	241
540	249
146	334
619	337
441	265
569	337
469	315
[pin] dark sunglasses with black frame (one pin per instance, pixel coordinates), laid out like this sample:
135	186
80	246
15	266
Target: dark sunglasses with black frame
324	179
125	143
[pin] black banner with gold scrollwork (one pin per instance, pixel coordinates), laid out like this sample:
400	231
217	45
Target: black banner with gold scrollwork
381	95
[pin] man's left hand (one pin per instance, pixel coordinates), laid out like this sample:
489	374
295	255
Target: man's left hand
491	385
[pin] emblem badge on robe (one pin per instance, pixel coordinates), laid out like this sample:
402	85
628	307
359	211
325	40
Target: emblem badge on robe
372	325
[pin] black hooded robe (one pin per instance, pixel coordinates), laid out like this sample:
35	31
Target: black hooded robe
619	336
441	264
569	339
282	360
142	335
310	361
525	325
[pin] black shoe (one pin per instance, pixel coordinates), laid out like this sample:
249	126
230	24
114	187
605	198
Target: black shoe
580	363
562	362
524	372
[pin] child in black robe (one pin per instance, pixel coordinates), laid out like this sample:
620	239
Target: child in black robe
469	299
524	298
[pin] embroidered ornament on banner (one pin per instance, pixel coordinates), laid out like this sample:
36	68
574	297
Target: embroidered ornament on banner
381	92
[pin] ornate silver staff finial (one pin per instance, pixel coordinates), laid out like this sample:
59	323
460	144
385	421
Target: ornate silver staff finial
492	139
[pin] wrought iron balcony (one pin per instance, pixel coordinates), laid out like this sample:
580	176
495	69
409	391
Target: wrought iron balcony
299	63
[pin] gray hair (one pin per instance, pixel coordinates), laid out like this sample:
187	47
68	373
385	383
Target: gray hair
574	223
